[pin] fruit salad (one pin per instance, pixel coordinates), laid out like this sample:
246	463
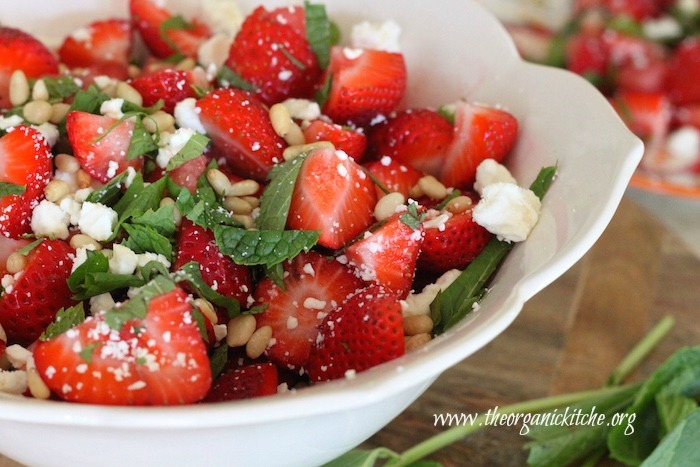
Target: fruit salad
231	206
643	54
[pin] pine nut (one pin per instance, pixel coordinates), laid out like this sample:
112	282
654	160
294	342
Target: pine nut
177	216
58	112
83	178
237	205
56	190
417	324
134	71
128	93
16	262
432	187
416	342
37	386
239	330
19	88
459	204
258	342
243	188
252	200
207	310
294	136
416	191
280	119
40	92
37	112
67	163
219	182
293	151
386	206
159	121
186	64
84	241
246	221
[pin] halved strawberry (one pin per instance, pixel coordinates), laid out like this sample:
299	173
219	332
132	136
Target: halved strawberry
636	63
153	21
20	51
587	54
274	57
364	84
170	85
158	360
635	9
365	331
351	141
38	293
313	286
26	161
99	145
246	382
453	244
239	125
684	63
195	243
388	256
648	115
393	175
334	195
415	137
480	133
7	247
106	41
187	174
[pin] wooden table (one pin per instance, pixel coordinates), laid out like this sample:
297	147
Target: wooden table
568	338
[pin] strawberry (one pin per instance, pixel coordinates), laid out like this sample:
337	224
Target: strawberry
685	62
453	246
25	160
351	141
187	174
587	54
415	137
636	64
334	195
239	125
313	286
38	293
157	360
7	247
687	115
480	133
152	22
170	85
98	144
20	51
108	41
393	175
194	243
88	74
364	84
365	331
388	256
648	115
246	382
271	55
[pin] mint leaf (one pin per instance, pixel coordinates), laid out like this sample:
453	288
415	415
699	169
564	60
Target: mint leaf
95	262
151	269
110	193
141	141
97	283
59	87
277	197
362	458
218	360
412	218
65	319
673	408
88	351
194	148
89	100
190	272
143	238
227	77
202	208
161	220
680	448
140	198
137	307
7	189
174	23
25	250
324	91
263	247
318	32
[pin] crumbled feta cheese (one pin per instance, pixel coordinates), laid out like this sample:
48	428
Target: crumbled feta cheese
352	54
661	29
683	146
302	109
220	331
13	382
49	220
173	143
82	34
81	195
214	52
71	207
10	122
70	178
507	211
187	115
102	302
490	171
381	36
18	356
222	16
123	260
419	304
112	108
81	256
104	81
8	283
130	176
112	168
147	257
49	131
97	220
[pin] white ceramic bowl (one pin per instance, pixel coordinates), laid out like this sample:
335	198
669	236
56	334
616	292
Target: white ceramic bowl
454	49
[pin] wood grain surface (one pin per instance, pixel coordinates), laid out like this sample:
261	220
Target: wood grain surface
568	338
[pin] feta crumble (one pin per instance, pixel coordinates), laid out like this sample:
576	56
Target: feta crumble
49	220
97	221
187	115
507	211
381	36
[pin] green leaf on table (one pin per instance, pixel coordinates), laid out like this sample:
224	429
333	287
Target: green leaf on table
193	148
7	189
263	247
362	458
568	447
190	272
680	448
277	197
65	319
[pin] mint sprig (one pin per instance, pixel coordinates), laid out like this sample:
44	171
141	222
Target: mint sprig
65	319
7	188
277	197
318	32
263	247
190	273
194	148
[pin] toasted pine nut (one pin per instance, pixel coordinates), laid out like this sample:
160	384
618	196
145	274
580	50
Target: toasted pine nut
219	182
293	151
417	324
177	216
246	221
252	200
40	92
207	309
280	119
37	112
186	64
67	163
16	262
84	241
243	188
128	93
258	342
237	205
239	330
37	386
416	342
84	179
432	187
58	112
294	136
459	204
19	88
386	206
56	190
159	121
134	71
416	191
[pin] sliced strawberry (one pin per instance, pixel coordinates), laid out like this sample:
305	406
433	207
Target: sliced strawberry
313	286
364	84
98	144
38	293
587	54
365	331
187	174
637	64
687	115
292	16
170	85
107	41
480	133
452	244
158	360
149	18
684	63
334	195
25	160
7	247
88	74
195	243
274	57
239	125
648	115
415	137
388	256
246	382
20	51
351	141
394	176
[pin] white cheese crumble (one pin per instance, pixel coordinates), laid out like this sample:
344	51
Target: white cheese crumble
172	144
490	171
507	211
212	54
661	29
187	115
381	36
49	220
302	109
147	257
123	260
222	16
49	131
683	146
10	122
13	382
419	304
102	302
112	108
97	220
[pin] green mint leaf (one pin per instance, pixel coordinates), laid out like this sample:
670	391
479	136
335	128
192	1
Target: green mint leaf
65	319
412	218
276	274
318	32
190	273
226	77
277	197
673	408
87	352
141	141
174	23
7	189
256	310
140	198
110	193
295	61
89	100
201	323
218	360
137	307
448	111
95	262
25	250
324	91
202	208
59	87
362	458
335	34
151	269
161	220
680	447
376	181
194	148
263	247
143	238
97	283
